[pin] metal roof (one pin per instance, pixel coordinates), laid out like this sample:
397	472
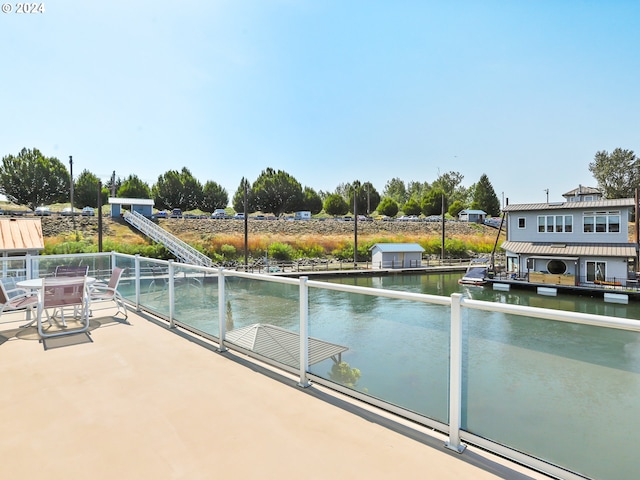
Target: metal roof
398	247
21	234
281	345
572	249
131	201
479	212
582	190
596	204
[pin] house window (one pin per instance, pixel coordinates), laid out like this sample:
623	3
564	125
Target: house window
557	223
568	223
596	271
557	267
601	222
521	222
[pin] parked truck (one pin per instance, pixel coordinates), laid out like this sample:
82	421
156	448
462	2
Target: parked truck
303	215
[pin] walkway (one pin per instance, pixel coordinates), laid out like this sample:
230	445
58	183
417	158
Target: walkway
141	401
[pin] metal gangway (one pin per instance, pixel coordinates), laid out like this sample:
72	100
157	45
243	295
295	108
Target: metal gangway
183	252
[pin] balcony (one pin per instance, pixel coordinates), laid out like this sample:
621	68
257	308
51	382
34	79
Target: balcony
172	394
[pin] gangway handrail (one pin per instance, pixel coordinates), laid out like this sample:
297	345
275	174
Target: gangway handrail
184	252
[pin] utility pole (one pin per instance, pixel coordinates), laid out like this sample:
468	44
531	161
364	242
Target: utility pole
73	212
99	215
355	228
246	228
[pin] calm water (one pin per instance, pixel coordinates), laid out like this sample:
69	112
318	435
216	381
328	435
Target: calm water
550	389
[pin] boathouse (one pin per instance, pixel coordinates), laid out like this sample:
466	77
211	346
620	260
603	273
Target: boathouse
396	255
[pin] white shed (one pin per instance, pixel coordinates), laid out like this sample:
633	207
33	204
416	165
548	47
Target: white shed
474	216
396	255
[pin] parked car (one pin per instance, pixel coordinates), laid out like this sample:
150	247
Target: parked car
176	213
219	213
42	211
161	214
239	216
88	212
68	211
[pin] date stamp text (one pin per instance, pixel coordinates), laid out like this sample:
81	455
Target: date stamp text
22	8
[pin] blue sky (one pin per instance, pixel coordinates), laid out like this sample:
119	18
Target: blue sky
329	91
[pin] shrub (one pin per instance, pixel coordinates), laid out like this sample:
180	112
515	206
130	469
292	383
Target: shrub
228	251
280	251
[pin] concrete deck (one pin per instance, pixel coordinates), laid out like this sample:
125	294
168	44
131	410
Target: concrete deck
140	401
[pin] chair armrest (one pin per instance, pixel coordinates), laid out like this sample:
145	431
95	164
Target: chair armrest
23	293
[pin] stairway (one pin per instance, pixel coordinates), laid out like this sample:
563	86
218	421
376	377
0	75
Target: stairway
182	251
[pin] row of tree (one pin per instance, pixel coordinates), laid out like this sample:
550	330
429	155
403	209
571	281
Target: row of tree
32	179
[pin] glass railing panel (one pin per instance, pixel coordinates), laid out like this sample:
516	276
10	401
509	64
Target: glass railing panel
154	286
13	270
196	298
400	348
558	391
250	303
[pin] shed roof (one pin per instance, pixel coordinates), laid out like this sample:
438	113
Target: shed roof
281	345
21	234
131	201
625	250
397	247
597	204
476	212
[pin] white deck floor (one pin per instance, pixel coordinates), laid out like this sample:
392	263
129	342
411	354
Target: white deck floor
140	401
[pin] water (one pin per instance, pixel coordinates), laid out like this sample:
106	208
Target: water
561	392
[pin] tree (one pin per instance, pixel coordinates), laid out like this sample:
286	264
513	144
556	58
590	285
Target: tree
214	196
416	190
432	202
485	198
177	190
617	174
367	197
238	197
85	190
277	192
133	187
396	190
311	201
455	208
335	204
388	207
412	207
32	179
450	184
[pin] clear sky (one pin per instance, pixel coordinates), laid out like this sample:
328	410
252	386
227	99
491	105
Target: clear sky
329	91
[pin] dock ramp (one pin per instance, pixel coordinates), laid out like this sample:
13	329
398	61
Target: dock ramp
184	252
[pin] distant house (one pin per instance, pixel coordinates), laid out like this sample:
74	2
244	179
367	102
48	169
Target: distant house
576	242
396	255
473	216
144	206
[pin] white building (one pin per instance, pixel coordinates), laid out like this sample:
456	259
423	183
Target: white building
575	242
396	255
474	216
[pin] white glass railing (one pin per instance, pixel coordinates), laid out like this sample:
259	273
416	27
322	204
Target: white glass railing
552	389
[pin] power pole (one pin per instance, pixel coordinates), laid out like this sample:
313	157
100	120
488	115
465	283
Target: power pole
73	212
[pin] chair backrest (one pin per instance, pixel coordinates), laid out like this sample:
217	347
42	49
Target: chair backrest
4	298
71	271
116	273
63	291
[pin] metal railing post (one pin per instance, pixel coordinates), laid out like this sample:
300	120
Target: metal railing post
136	267
222	310
28	267
455	375
172	296
304	332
